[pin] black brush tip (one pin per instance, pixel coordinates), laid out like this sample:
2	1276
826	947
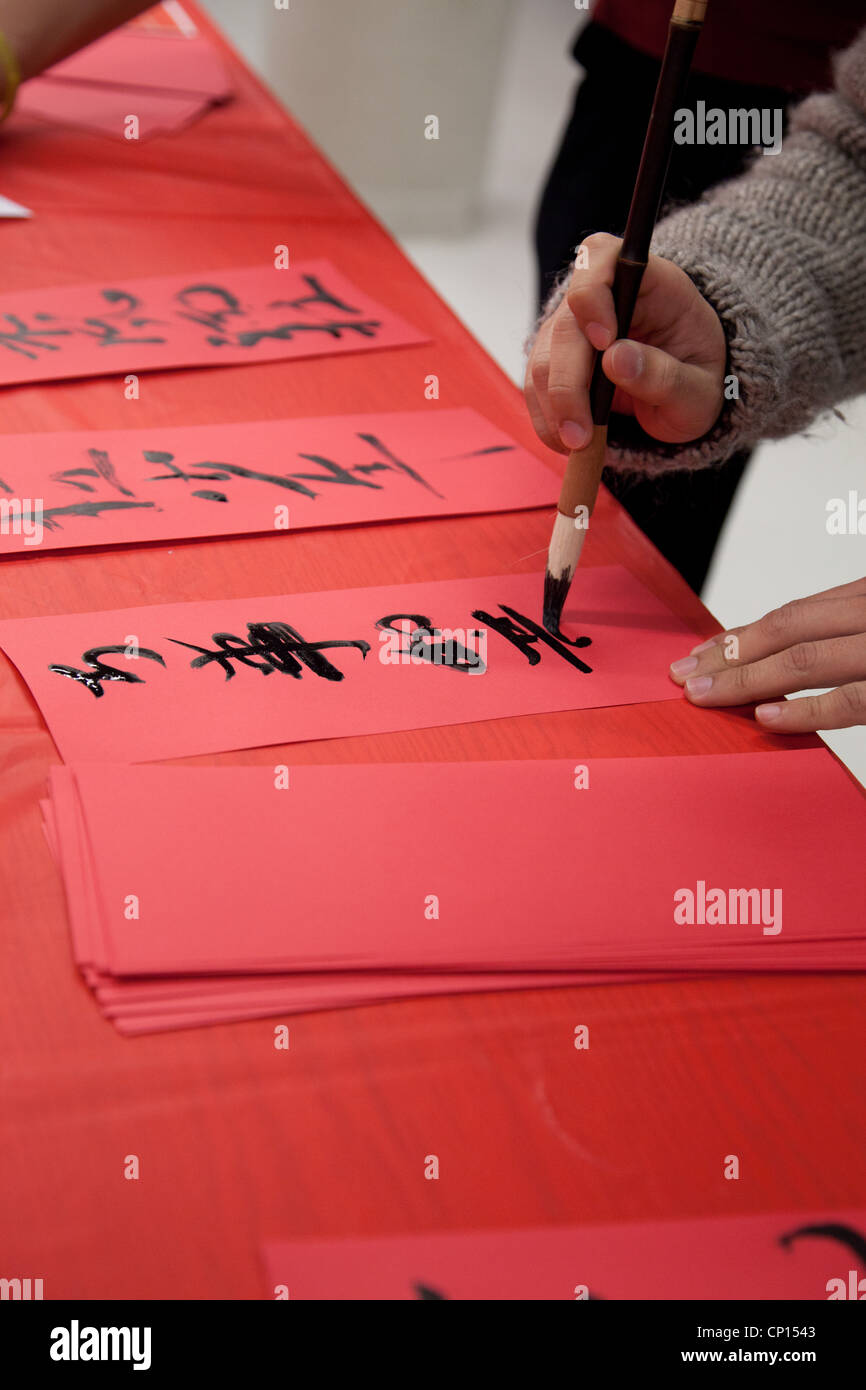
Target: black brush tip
555	594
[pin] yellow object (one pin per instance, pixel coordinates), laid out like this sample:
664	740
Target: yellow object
12	75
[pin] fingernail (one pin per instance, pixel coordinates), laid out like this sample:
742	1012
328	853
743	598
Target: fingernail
767	713
683	667
599	336
573	435
713	642
699	685
628	360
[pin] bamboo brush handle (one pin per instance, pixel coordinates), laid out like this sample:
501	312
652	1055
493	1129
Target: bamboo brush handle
583	475
584	467
690	11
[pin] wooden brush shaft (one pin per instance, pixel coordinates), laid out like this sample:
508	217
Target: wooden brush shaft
690	11
659	141
626	287
583	475
683	34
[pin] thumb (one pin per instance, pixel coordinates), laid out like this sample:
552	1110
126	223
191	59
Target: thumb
674	401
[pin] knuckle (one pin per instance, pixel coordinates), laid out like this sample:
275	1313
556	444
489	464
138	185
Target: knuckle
539	370
740	678
559	392
850	701
561	328
780	621
579	297
600	241
801	658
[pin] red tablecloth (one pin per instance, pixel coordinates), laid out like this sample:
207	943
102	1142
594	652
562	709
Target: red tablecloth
238	1141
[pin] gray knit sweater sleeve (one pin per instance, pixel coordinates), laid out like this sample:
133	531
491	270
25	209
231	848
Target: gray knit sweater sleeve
781	255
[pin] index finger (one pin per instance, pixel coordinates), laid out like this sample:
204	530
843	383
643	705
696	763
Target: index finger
589	294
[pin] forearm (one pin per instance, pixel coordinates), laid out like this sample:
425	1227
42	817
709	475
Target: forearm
780	253
41	32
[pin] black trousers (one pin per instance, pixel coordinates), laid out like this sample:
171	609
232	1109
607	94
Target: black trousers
588	190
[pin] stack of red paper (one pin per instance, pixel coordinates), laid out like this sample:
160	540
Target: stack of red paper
163	75
201	895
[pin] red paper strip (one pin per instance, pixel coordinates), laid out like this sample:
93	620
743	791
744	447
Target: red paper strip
784	1255
205	318
478	866
167	681
106	487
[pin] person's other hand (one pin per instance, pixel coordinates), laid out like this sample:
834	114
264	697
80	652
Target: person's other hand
805	645
669	373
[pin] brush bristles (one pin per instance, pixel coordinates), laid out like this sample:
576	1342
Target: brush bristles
566	544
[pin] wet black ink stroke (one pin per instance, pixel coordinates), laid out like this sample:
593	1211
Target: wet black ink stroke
272	647
478	453
100	671
51	515
102	468
450	653
208	471
523	633
845	1235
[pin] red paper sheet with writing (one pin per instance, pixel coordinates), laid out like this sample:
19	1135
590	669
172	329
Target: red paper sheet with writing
784	1255
204	318
106	487
448	866
178	679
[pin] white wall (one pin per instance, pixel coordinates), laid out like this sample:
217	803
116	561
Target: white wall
364	76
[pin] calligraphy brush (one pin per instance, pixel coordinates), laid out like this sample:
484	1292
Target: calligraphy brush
584	468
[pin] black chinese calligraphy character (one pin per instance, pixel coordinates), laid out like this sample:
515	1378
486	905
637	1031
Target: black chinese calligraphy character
336	473
523	634
30	341
451	652
110	330
102	467
219	473
214	307
318	295
100	671
272	647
